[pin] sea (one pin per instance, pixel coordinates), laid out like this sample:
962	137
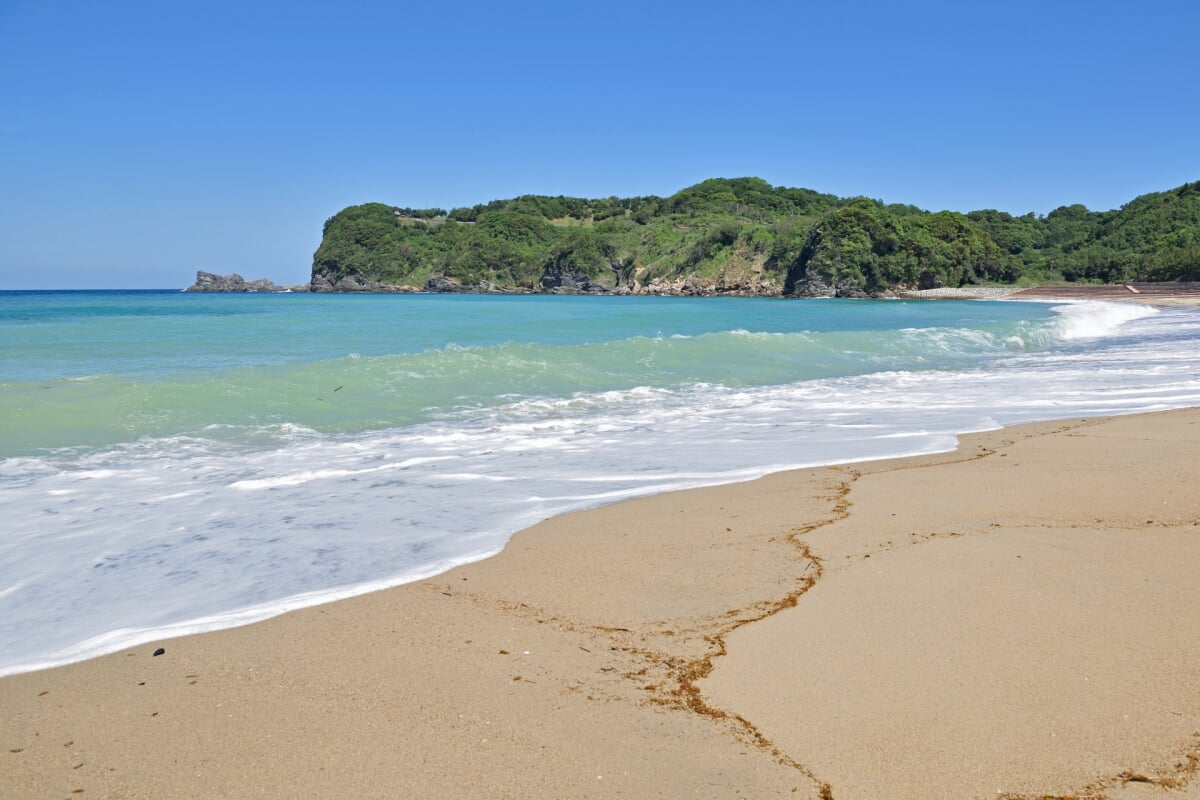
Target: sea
175	462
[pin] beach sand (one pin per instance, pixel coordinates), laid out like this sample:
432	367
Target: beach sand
1158	294
1020	618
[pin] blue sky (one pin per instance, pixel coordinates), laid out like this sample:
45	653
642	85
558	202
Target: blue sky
141	141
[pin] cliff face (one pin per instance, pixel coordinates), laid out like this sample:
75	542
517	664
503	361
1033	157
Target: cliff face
733	283
745	237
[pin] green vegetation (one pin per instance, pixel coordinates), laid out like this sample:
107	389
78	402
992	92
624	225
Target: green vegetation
867	247
745	236
1155	237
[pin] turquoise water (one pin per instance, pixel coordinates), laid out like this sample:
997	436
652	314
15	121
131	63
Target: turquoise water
175	462
95	369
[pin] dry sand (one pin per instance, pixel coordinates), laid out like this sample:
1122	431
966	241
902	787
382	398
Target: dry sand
1020	618
1023	622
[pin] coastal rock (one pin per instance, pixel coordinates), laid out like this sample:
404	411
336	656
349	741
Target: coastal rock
748	288
814	283
211	282
487	287
327	282
723	286
356	283
233	282
558	279
442	284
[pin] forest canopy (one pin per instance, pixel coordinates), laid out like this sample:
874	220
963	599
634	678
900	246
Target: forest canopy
744	235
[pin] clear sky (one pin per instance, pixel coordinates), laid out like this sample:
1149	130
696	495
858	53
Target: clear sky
142	141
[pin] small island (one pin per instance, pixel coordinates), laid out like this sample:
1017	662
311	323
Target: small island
233	282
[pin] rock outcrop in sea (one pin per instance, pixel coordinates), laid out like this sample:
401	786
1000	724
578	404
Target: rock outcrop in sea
211	282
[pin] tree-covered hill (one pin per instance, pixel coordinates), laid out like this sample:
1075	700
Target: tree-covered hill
744	236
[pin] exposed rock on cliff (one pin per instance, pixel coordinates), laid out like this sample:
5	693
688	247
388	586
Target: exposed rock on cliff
324	282
559	279
810	282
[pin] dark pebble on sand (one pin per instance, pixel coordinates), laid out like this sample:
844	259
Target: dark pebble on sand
159	651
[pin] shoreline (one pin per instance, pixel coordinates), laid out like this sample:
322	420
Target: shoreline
922	435
618	668
1148	294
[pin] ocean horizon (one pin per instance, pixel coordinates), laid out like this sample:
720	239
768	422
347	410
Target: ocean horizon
174	462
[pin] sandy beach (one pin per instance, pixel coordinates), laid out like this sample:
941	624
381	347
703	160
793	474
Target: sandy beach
1017	619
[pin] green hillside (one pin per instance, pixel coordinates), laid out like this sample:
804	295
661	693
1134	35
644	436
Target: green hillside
744	236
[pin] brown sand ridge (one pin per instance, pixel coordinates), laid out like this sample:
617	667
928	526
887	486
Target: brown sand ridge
1020	617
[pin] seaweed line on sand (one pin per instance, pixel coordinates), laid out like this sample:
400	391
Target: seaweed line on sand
686	695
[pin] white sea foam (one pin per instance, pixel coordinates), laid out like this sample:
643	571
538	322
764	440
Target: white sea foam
1092	320
310	476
